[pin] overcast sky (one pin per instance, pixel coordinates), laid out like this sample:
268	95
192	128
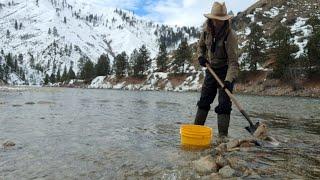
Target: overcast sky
175	12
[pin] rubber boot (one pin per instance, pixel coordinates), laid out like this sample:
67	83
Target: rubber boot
201	117
223	124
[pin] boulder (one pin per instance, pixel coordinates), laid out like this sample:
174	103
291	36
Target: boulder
247	145
9	144
205	165
261	132
227	172
221	148
221	161
232	144
237	164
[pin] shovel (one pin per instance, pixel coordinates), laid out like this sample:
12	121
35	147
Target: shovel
253	127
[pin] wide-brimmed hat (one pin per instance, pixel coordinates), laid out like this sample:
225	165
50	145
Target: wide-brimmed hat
218	11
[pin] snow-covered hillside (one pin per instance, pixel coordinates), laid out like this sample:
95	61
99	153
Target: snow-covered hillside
52	34
271	14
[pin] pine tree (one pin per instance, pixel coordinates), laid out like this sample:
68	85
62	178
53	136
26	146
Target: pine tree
88	72
64	76
65	20
58	78
9	60
255	47
46	79
313	21
20	58
103	66
134	65
182	55
313	53
52	78
8	33
144	56
1	72
120	64
71	74
55	31
49	31
283	51
162	58
20	26
16	24
15	65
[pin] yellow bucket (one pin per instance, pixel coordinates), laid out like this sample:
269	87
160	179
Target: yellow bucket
195	135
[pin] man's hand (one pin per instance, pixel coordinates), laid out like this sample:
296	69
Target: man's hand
202	61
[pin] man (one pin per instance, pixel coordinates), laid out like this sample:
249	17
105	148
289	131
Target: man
218	47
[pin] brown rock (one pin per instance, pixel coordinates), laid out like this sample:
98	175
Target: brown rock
261	132
247	145
214	176
227	172
221	161
237	164
233	144
221	148
205	165
8	144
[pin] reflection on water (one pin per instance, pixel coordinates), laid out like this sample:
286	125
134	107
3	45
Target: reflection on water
92	134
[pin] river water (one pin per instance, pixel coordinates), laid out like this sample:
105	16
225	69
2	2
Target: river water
63	133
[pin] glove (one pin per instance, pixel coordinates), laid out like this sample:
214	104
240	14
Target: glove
202	61
228	85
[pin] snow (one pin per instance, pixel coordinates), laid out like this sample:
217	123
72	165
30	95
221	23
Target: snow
15	80
251	16
283	20
300	31
247	31
91	39
274	11
260	23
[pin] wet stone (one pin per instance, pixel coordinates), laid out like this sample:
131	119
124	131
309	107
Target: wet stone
9	144
233	143
227	172
221	148
238	164
205	165
221	161
261	132
30	103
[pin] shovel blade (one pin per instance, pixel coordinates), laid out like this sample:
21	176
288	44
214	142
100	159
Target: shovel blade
252	129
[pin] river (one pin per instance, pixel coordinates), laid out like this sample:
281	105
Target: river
63	133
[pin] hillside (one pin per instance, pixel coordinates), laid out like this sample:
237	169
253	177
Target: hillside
47	35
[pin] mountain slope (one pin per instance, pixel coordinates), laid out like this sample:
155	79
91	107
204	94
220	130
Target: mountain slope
52	34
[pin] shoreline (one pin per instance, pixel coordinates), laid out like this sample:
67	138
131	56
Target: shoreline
272	92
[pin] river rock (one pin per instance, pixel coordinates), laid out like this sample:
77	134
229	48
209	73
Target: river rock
9	144
261	132
30	103
213	176
205	165
221	148
247	145
227	172
237	164
221	161
232	144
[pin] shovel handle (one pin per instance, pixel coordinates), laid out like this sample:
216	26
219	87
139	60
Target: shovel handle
232	97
